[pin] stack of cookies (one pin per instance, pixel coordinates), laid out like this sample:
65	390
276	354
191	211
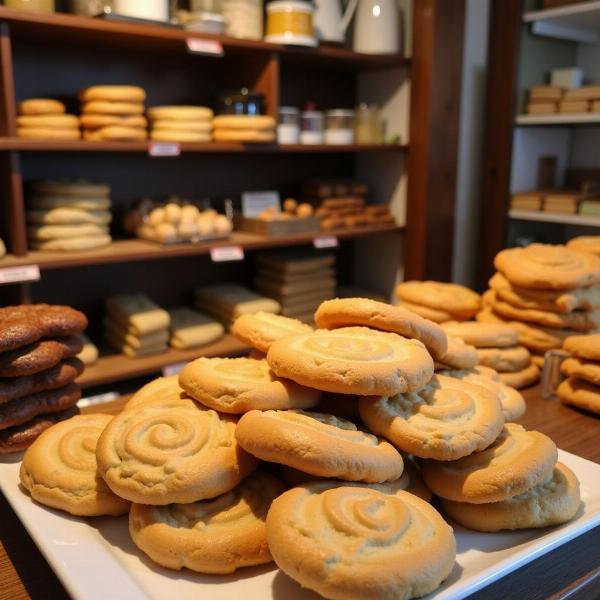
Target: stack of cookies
190	328
244	128
135	325
68	216
45	119
180	123
298	280
38	345
113	113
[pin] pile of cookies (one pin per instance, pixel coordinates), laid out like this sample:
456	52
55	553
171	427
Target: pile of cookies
68	216
190	328
113	113
45	118
244	128
38	345
180	123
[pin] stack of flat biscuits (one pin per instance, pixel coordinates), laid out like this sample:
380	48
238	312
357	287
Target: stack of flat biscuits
44	118
135	325
190	328
244	128
68	216
38	367
299	281
180	123
113	113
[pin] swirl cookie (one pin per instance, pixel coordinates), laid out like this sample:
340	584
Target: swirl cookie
551	502
547	266
431	314
209	536
576	368
482	335
346	312
237	385
319	444
261	329
162	388
517	461
585	243
520	379
580	394
352	360
504	359
59	469
355	542
458	356
171	451
584	346
445	420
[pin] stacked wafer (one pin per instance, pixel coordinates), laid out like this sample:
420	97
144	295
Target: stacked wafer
299	281
113	113
190	328
68	216
244	128
38	344
44	118
135	325
180	123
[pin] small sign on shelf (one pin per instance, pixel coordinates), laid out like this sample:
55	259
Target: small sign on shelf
158	149
203	46
325	241
173	369
19	274
226	253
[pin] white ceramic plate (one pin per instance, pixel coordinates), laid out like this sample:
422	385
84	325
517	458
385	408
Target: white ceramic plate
95	558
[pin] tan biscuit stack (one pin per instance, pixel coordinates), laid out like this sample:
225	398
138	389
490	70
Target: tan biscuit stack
190	328
135	325
89	352
113	113
68	216
45	119
244	128
38	345
180	123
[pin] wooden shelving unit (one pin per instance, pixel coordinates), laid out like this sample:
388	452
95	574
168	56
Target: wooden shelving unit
578	22
542	217
559	119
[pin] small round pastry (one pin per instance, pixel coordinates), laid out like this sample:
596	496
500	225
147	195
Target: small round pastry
431	314
166	388
584	346
95	121
171	450
304	210
59	469
109	107
504	359
123	93
166	232
189	212
41	106
551	502
445	420
344	312
49	121
580	394
238	385
482	335
319	444
352	360
581	369
180	113
517	461
222	225
458	356
187	230
157	216
520	379
172	213
290	205
48	133
353	543
209	536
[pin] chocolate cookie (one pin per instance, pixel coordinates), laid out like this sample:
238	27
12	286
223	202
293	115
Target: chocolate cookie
38	356
16	439
58	376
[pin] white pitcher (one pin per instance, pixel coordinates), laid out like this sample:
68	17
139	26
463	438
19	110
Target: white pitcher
376	30
329	24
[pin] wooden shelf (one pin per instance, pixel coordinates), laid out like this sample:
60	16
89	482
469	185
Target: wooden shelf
137	250
543	217
117	367
559	119
575	22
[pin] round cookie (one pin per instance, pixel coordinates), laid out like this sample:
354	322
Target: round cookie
71	244
482	335
48	133
53	232
355	542
445	420
523	378
458	356
243	135
431	314
504	359
209	536
345	312
584	346
94	121
79	188
116	133
48	121
171	450
585	243
68	216
197	126
59	469
105	107
551	502
538	360
112	93
244	122
319	444
179	113
352	360
261	329
92	203
581	369
165	388
517	461
175	135
41	106
548	266
580	394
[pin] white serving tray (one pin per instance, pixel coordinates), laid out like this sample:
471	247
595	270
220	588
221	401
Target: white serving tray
95	559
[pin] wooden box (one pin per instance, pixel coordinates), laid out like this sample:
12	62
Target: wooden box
277	227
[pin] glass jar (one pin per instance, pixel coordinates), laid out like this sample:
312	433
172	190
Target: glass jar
46	6
244	18
339	127
288	125
311	127
367	128
240	102
88	8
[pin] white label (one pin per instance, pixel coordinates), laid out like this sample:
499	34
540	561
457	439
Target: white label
164	149
325	241
253	203
98	399
202	46
173	369
226	253
18	274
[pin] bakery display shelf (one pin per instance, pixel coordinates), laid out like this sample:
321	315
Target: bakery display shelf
66	28
117	367
578	22
137	250
564	219
559	119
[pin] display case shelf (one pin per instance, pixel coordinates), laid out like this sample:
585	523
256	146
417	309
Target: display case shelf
543	217
578	22
559	119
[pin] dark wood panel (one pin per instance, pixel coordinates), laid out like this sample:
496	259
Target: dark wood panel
8	122
12	226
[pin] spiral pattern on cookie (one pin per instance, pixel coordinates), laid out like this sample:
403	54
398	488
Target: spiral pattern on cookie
243	369
349	348
77	448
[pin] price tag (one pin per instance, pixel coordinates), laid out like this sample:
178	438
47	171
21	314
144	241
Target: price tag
19	274
173	369
98	399
203	46
226	253
164	149
325	241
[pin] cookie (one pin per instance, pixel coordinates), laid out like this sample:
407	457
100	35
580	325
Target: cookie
39	356
54	232
165	388
58	376
48	133
244	122
523	378
579	393
117	133
432	314
538	360
68	216
584	346
210	536
137	313
59	469
504	359
95	121
190	328
112	93
89	352
458	356
445	420
71	244
576	368
176	135
40	106
548	266
238	385
352	360
356	542
243	135
318	444
77	188
48	121
517	461
585	243
105	107
482	335
179	113
346	312
25	324
189	126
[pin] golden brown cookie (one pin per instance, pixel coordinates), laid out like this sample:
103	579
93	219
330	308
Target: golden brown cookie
48	121
95	121
458	356
448	297
523	378
482	335
71	244
579	393
584	346
117	133
112	93
504	359
165	388
579	369
180	113
585	243
243	135
49	133
431	314
40	106
176	135
244	122
68	216
106	107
